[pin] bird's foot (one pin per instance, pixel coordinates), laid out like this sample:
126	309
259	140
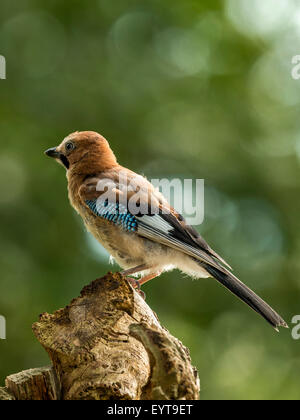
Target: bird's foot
136	285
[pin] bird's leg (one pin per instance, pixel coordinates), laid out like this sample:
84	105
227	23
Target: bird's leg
134	282
144	280
137	283
134	270
150	276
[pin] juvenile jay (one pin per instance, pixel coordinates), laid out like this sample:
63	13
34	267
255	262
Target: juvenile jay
147	241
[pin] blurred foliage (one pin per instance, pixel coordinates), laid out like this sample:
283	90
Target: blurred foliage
193	89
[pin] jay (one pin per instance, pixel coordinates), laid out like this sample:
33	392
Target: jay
136	224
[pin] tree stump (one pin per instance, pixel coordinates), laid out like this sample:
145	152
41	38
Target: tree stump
107	344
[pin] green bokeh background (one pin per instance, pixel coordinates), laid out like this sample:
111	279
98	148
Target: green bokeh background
193	89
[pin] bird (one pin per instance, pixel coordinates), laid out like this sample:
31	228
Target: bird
142	232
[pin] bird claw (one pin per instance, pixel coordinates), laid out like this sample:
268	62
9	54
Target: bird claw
136	285
142	294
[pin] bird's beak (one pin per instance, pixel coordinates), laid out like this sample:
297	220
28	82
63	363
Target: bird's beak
52	153
58	156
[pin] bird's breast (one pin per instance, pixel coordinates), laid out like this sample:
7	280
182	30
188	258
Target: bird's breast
127	248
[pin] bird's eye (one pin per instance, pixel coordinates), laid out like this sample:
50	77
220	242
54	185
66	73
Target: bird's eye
70	146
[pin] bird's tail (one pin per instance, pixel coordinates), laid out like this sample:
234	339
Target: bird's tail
243	292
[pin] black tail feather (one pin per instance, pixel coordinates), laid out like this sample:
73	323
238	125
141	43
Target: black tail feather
246	295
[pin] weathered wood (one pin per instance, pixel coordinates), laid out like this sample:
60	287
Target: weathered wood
172	375
34	384
108	344
5	394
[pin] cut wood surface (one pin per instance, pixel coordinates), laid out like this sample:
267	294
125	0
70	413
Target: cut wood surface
107	344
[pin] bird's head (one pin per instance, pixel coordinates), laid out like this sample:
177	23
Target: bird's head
84	150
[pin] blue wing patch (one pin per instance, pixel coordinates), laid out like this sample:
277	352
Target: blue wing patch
113	212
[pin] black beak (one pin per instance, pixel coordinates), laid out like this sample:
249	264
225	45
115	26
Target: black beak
52	153
56	155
